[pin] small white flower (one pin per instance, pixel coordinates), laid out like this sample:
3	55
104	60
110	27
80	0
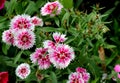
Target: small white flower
23	70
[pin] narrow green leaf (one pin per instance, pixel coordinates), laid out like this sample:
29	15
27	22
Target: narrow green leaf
11	6
53	77
5	48
18	56
57	22
65	18
31	8
109	46
51	29
108	13
110	59
2	19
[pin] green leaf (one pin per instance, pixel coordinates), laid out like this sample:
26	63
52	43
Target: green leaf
57	22
10	6
110	59
5	48
18	56
108	13
70	39
78	2
19	8
53	77
51	29
95	81
109	46
65	18
67	3
2	19
31	8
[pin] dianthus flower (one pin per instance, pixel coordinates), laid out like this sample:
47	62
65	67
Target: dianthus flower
80	76
51	8
117	68
75	78
49	44
58	37
61	56
37	21
23	70
8	37
41	57
25	39
22	22
3	77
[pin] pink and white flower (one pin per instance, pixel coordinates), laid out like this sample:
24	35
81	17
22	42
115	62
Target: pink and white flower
44	62
23	70
37	21
25	39
51	8
75	78
58	37
80	76
49	44
41	57
8	37
80	70
61	56
22	22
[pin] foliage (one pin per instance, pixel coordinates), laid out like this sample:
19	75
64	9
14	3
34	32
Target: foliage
85	33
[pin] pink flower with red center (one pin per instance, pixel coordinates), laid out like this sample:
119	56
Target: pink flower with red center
80	76
3	77
25	39
37	21
23	70
8	37
84	73
41	57
22	22
117	68
86	77
51	8
58	37
75	78
2	2
61	56
49	44
44	62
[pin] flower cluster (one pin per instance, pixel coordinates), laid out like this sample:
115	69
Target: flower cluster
117	70
51	8
23	70
80	76
21	31
55	52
